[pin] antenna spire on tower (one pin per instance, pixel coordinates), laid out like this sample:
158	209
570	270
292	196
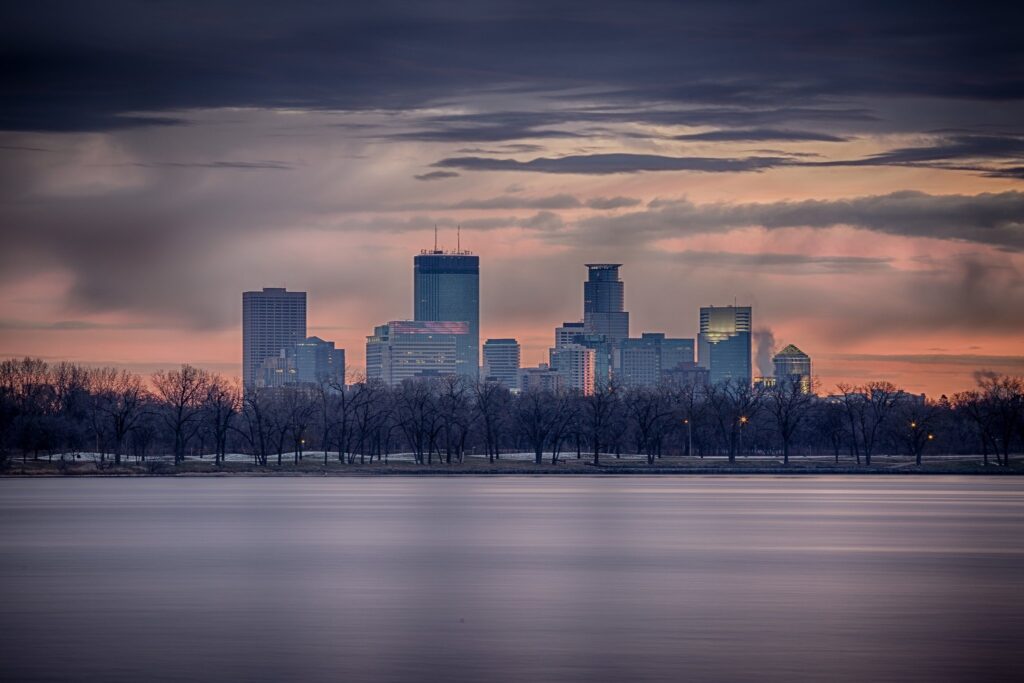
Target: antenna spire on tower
458	237
435	236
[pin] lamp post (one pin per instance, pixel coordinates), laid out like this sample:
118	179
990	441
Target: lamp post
689	437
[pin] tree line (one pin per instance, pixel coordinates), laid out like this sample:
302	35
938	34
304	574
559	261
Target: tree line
64	409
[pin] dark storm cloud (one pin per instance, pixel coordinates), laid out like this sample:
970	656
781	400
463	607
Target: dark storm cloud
88	66
556	201
436	175
954	148
601	164
760	135
993	219
481	134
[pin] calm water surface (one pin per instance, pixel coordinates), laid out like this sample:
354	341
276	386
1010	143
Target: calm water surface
513	579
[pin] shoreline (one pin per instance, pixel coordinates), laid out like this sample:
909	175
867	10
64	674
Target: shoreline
31	470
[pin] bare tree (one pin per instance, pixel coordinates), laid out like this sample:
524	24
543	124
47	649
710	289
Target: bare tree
880	400
454	413
537	413
598	412
650	412
789	403
733	405
123	403
298	411
182	393
220	408
1004	402
490	402
256	427
914	425
416	412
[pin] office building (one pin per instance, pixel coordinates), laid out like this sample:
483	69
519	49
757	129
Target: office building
723	345
541	378
793	365
407	349
276	372
318	361
272	320
576	366
604	301
644	361
501	361
567	333
685	374
447	288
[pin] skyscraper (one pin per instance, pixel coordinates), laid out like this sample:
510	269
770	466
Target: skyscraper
272	320
792	364
501	361
723	345
447	288
407	349
604	301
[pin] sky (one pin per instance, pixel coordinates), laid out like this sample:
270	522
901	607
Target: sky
854	171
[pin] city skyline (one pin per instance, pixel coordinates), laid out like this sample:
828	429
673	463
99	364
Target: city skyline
762	342
854	175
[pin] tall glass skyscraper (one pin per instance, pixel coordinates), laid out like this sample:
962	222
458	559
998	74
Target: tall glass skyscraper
447	288
272	321
604	302
723	345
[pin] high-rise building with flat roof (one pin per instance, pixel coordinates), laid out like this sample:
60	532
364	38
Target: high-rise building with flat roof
793	365
723	345
407	349
447	288
272	320
604	302
316	361
567	333
501	361
576	366
643	362
541	378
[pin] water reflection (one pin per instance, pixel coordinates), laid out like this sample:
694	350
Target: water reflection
470	579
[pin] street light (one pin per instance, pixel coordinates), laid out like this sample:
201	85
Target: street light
689	436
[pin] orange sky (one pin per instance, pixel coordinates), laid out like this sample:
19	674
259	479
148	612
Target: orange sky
344	221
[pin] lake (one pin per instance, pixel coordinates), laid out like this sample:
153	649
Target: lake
634	578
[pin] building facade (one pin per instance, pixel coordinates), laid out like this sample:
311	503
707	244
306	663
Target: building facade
276	372
576	367
604	302
501	361
447	288
316	361
645	361
541	378
407	349
272	320
724	343
793	365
